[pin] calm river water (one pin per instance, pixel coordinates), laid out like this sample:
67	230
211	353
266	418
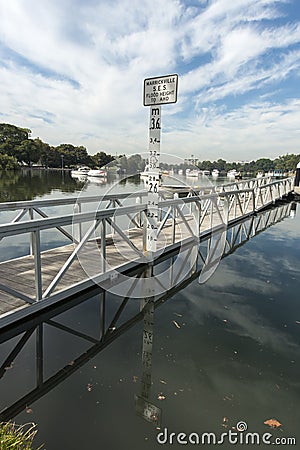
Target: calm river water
222	352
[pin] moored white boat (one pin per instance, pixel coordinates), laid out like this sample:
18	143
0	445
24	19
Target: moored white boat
232	174
82	170
205	172
97	173
215	173
192	173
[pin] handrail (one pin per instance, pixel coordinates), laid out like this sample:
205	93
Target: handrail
11	229
76	218
11	206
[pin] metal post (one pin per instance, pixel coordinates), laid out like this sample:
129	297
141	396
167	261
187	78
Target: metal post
37	264
153	178
30	212
39	355
103	245
297	180
102	297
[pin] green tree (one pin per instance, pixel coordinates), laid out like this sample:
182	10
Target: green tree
8	162
28	151
12	134
135	163
264	164
73	156
101	159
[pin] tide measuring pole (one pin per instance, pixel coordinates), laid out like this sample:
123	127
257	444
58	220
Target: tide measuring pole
157	91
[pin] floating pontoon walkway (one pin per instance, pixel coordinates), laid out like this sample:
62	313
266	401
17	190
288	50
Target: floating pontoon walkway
97	246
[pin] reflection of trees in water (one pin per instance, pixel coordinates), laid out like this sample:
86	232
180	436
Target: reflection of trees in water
28	184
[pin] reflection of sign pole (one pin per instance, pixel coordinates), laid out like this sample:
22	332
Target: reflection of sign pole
144	408
157	91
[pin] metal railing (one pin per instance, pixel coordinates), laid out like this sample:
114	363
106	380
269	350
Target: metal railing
107	329
181	220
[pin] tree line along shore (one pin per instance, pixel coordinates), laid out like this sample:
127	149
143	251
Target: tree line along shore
17	150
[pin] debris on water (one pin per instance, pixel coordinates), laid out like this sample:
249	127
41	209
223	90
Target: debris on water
28	410
162	381
161	397
89	387
273	423
176	324
225	320
178	315
9	367
71	363
224	423
298	322
135	378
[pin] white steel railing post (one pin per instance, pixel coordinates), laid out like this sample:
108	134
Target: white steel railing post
30	212
77	232
36	247
103	245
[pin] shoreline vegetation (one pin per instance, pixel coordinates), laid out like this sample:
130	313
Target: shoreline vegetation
17	437
18	150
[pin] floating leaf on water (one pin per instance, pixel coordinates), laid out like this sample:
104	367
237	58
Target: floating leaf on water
224	424
273	423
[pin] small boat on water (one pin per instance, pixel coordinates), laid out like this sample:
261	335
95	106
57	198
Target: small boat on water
233	174
80	171
102	173
192	173
215	173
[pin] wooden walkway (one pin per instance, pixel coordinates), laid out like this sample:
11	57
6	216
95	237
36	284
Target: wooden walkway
25	278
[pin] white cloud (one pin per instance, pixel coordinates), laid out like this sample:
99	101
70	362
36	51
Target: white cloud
82	65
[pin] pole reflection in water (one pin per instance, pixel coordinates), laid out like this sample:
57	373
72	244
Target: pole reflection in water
144	408
109	326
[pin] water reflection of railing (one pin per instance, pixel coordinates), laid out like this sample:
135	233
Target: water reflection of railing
237	235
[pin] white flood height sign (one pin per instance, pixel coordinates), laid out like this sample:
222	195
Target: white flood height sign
160	90
153	178
157	91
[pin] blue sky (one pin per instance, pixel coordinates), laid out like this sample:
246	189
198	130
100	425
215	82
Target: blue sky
73	71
